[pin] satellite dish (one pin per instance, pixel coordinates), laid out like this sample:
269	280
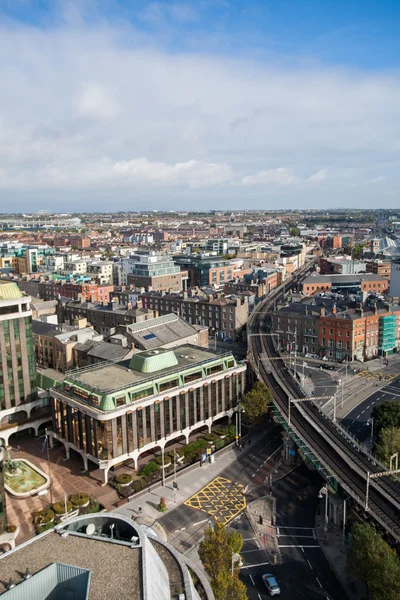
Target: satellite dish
90	529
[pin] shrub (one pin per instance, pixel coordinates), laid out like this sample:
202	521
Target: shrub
44	516
11	528
219	444
123	478
139	485
167	459
79	499
162	506
149	469
44	527
221	431
94	506
210	437
59	507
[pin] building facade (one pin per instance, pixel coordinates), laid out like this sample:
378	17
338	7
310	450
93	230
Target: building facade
19	402
111	414
153	271
346	284
226	316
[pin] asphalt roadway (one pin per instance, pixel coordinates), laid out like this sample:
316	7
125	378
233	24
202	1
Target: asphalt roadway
185	525
303	573
358	422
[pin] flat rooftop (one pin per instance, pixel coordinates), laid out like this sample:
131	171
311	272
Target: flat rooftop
110	377
115	568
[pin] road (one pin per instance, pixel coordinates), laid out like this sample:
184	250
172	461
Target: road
357	421
185	525
303	573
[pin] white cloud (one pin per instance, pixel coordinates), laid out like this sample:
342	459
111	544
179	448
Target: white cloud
96	108
94	100
284	176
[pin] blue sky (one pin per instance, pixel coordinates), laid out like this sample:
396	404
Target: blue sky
164	104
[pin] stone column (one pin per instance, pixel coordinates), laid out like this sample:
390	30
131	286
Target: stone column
162	419
135	431
202	403
152	424
187	416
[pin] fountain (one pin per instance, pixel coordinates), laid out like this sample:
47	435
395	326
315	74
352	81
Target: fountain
22	478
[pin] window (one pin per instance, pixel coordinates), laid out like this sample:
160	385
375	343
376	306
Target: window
331	331
120	401
330	344
193	376
167	385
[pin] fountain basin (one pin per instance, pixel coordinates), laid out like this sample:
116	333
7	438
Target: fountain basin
27	480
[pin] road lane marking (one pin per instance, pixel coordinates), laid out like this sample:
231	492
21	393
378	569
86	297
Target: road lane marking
261	598
310	537
277	531
248	539
257	565
298	546
302	549
309	564
289	527
252	580
319	583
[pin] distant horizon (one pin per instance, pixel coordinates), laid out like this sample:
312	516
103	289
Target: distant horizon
170	104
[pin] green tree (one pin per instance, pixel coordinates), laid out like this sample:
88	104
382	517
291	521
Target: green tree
256	402
386	414
216	552
294	231
388	443
374	562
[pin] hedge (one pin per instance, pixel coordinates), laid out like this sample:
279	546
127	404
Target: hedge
150	468
123	478
79	499
59	507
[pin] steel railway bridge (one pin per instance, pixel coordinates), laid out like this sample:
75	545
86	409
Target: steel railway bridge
341	460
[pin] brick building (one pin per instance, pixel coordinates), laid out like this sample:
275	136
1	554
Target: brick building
224	315
345	284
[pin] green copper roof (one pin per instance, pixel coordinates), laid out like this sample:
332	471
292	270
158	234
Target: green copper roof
10	291
152	361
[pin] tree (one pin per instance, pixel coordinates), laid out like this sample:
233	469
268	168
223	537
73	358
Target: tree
294	231
388	444
216	552
374	562
386	414
256	402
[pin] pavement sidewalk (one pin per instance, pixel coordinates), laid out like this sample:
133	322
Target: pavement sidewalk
189	481
335	550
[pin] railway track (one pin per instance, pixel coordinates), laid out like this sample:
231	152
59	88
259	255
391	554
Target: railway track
332	446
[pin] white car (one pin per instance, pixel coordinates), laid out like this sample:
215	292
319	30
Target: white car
271	585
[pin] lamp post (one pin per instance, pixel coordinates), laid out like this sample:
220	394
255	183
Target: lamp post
48	463
371	422
163	468
324	492
236	558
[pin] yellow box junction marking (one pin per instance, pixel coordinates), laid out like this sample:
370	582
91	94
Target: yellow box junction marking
375	376
221	498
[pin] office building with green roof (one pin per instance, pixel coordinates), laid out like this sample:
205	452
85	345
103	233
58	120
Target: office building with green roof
111	413
18	394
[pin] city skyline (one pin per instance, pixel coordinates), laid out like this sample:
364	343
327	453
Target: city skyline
211	105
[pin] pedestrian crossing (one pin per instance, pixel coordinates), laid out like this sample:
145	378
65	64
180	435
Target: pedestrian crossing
296	537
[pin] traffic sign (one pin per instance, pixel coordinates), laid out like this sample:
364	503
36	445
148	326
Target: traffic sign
208	450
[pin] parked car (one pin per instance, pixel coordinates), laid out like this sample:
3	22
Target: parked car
271	585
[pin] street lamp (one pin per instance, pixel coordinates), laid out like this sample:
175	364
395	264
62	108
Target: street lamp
236	558
324	492
371	422
239	411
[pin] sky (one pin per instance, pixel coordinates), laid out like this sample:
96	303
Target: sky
199	104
